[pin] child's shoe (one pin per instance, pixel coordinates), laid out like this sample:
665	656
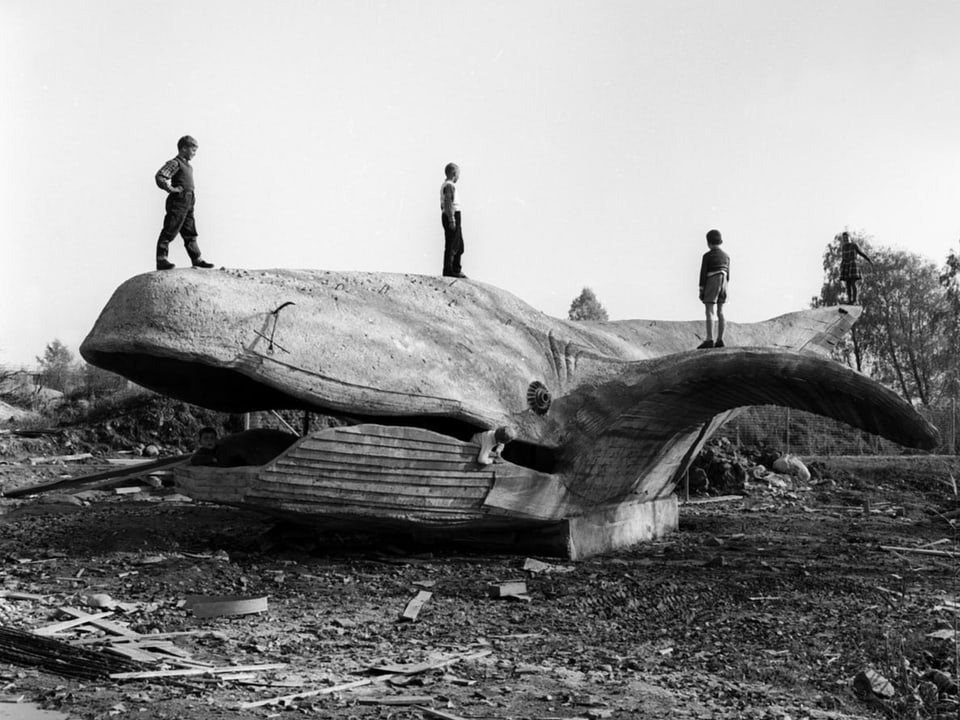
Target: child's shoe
705	345
718	343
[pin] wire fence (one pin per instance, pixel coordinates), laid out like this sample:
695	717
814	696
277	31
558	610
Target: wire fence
803	433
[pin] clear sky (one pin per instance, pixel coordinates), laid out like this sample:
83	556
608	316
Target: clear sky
598	140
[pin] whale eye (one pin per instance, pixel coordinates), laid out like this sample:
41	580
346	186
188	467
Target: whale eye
538	397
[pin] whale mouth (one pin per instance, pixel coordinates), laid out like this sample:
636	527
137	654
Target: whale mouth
229	390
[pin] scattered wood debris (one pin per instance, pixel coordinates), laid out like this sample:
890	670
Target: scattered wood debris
14	595
395	700
49	630
99	622
410	669
46	459
25	648
97	477
412	611
183	672
537	566
516	589
920	551
440	714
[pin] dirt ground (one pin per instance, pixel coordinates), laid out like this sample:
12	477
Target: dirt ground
766	606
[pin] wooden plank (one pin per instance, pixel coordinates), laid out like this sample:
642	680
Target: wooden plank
337	453
60	458
196	671
395	700
134	652
380	452
365	681
412	611
129	462
920	551
512	588
14	595
374	434
110	627
340	488
127	490
301	508
373	446
152	636
364	443
48	630
394	500
425	476
439	714
404	472
381	488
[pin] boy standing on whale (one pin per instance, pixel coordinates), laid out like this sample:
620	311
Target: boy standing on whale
714	276
452	223
176	178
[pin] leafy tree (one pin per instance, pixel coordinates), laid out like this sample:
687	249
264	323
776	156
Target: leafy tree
586	307
903	322
950	282
56	366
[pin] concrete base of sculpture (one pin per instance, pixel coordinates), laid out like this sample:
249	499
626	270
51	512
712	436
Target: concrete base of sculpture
620	527
599	533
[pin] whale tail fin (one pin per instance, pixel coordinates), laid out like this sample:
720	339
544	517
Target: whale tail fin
642	426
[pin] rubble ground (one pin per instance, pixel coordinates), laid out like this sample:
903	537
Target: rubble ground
768	605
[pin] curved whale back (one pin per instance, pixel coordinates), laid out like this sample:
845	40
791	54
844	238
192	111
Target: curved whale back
394	344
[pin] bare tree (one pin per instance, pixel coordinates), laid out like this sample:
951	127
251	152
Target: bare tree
56	366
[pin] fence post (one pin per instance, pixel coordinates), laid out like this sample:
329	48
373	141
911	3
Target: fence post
788	430
953	422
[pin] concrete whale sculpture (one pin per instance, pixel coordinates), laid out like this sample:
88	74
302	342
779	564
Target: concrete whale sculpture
608	414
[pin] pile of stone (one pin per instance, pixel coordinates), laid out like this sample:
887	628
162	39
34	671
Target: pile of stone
722	468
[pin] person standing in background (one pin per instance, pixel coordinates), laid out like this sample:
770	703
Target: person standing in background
849	269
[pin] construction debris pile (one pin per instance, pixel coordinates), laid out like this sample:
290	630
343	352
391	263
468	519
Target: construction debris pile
722	468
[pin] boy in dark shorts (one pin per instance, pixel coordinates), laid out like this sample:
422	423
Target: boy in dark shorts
714	276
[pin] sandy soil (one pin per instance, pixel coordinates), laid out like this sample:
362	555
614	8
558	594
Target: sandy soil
762	607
